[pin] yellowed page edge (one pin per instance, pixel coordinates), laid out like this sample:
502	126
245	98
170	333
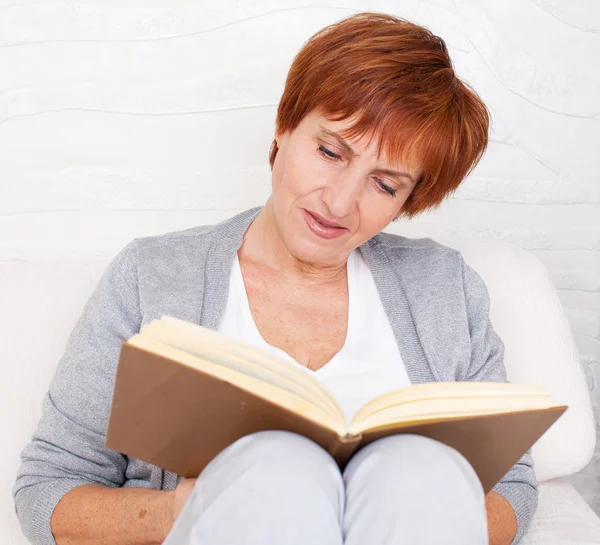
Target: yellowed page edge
257	387
444	409
239	364
219	345
450	390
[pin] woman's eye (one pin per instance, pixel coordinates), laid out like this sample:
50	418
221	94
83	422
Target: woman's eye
328	153
380	184
384	187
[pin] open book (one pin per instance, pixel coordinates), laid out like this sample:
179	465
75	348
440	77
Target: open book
183	393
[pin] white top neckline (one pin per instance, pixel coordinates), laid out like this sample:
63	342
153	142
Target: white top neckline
252	333
368	364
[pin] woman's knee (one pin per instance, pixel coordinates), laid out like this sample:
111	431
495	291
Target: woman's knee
267	484
401	483
402	459
274	448
280	458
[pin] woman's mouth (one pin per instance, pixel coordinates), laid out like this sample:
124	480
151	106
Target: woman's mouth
322	227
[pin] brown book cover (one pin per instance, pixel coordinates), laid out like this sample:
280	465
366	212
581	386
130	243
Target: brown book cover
179	418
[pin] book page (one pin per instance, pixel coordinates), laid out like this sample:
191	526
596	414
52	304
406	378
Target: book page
448	400
245	358
279	396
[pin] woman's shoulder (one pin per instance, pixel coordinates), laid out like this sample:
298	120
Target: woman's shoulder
170	239
425	265
172	250
416	253
195	241
392	241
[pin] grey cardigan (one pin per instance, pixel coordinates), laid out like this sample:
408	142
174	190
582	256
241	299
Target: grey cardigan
438	308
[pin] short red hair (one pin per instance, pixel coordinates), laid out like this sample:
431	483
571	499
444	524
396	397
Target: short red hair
398	79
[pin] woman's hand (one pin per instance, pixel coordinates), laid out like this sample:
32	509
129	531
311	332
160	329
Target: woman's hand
182	493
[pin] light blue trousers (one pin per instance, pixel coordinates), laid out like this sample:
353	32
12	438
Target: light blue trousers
275	488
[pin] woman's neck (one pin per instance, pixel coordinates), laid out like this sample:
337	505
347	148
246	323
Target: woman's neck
263	244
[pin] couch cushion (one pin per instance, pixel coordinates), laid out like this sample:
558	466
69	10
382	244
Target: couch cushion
562	517
41	301
539	347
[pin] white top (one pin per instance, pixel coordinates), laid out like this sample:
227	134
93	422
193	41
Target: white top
368	364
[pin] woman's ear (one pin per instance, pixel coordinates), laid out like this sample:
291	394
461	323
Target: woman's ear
273	152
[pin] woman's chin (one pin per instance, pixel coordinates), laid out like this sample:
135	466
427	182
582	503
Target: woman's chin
315	252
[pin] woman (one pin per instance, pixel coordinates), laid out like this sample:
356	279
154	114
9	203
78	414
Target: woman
373	124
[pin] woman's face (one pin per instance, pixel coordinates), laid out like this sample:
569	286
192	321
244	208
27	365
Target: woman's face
331	195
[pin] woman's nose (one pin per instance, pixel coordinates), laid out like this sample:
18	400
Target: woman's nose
341	195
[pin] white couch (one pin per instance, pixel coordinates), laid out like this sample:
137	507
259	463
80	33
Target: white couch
41	300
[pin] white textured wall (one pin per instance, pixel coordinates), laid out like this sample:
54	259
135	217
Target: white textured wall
123	119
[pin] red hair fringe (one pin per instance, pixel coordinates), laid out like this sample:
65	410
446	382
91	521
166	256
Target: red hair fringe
397	78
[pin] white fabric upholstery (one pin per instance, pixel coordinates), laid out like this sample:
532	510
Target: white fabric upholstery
40	302
539	348
562	517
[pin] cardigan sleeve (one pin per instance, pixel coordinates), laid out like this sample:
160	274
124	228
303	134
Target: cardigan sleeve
67	449
519	486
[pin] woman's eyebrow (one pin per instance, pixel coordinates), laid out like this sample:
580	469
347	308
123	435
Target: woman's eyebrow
346	146
396	173
340	140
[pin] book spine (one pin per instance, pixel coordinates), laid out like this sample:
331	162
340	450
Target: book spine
343	448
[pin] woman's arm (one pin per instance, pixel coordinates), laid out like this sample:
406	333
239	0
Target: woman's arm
127	516
502	521
68	448
97	515
519	487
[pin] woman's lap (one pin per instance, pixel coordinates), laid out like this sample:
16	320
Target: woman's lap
275	487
